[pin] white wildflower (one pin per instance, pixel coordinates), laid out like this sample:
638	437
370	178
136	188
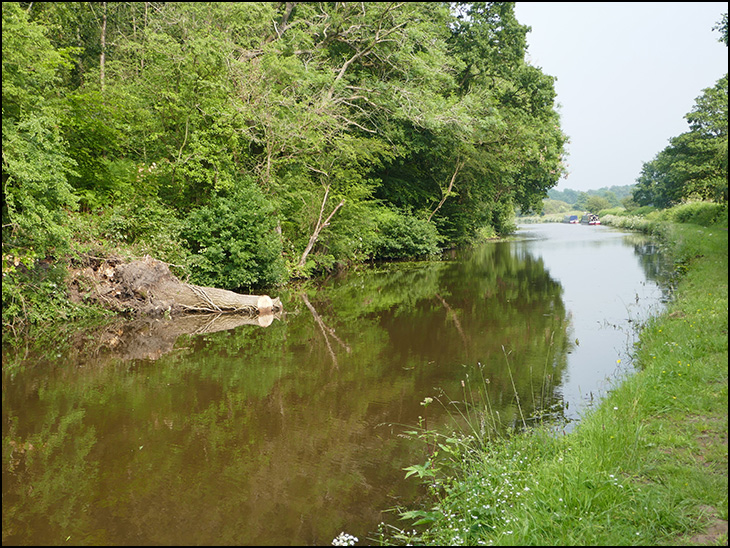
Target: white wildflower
343	539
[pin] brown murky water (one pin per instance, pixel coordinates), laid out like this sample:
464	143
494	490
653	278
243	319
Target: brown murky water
207	433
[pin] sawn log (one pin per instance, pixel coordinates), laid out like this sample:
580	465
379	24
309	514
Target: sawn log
211	299
151	280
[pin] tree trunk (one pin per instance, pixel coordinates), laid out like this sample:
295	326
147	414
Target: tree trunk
150	282
211	299
102	59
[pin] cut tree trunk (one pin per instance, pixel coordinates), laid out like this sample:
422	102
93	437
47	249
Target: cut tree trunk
211	299
150	283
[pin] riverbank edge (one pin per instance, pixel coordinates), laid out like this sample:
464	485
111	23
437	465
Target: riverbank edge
648	465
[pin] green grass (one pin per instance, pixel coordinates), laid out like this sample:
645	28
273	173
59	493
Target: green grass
646	466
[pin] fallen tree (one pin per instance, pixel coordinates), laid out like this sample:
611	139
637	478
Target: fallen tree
147	287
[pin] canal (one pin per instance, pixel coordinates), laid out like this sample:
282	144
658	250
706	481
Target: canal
208	433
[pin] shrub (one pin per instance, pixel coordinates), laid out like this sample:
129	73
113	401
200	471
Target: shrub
630	222
403	236
135	227
502	218
233	241
485	233
643	210
352	236
34	293
138	220
612	211
699	213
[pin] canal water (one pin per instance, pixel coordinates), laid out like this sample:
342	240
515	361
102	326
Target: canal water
289	433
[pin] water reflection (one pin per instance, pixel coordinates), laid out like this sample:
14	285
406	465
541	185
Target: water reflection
288	434
613	282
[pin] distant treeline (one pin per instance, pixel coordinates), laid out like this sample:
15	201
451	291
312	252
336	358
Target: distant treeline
562	201
615	195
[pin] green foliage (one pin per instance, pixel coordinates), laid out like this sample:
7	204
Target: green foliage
594	204
31	64
722	28
612	211
35	168
694	165
34	292
405	236
614	194
36	190
629	222
551	206
36	165
233	241
93	141
352	236
644	210
502	218
699	213
413	107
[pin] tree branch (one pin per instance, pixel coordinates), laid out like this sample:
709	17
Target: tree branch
459	165
319	226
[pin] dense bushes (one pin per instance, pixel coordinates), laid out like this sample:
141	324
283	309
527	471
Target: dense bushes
405	236
698	213
233	241
34	292
145	118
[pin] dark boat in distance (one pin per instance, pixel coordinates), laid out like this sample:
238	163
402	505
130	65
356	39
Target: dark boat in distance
590	219
572	219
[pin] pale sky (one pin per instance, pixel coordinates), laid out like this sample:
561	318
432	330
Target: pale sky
627	74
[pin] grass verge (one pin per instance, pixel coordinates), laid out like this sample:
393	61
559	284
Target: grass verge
646	466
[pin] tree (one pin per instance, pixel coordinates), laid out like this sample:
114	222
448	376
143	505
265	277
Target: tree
233	240
355	120
36	164
722	27
695	163
495	141
594	204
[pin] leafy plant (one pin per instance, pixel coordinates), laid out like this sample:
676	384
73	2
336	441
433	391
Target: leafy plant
699	213
34	293
233	241
405	236
694	165
36	165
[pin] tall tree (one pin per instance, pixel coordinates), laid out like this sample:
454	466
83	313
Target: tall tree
36	165
695	164
355	120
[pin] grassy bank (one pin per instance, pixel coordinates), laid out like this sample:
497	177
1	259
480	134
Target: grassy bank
647	466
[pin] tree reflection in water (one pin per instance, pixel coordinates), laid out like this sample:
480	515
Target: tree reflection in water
276	435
